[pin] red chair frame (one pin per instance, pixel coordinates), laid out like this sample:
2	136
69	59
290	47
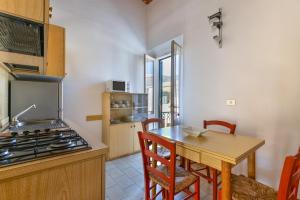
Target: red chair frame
215	173
290	176
231	127
146	123
289	181
147	155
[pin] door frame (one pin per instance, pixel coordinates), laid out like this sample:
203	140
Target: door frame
173	82
160	84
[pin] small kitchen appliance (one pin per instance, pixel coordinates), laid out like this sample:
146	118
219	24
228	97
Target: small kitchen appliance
117	86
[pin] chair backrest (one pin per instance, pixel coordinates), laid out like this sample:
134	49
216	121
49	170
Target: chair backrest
145	139
146	123
231	127
290	176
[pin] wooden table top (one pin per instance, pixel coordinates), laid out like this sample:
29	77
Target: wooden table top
226	147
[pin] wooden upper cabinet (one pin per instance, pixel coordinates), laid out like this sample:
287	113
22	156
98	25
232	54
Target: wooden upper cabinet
36	10
55	51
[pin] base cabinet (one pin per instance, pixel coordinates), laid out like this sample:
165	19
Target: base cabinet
123	139
77	180
120	141
136	142
122	116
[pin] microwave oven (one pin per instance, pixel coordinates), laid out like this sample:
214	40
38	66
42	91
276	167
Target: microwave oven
117	86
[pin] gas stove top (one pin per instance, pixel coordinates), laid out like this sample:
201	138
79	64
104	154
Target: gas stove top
31	145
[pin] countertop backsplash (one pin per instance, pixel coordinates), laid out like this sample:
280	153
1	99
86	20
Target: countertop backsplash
4	78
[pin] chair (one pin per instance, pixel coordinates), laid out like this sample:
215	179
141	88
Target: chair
197	168
246	188
172	179
145	124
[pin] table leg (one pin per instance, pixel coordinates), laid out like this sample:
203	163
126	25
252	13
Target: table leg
182	162
251	166
226	181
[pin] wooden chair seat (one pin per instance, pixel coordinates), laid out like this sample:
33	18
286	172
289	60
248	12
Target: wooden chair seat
183	178
244	188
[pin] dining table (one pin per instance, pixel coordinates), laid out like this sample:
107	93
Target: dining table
218	150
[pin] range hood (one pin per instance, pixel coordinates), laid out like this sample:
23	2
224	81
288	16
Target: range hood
22	36
22	48
29	73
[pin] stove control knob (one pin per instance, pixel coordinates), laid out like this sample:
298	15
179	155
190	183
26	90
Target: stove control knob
47	130
26	132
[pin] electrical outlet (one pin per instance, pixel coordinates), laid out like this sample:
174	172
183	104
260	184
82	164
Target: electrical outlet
231	102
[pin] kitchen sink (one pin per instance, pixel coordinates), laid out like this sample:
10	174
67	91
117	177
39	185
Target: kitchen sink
38	125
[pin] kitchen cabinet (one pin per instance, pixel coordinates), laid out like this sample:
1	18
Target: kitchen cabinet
55	51
75	176
123	139
120	140
136	142
36	10
121	122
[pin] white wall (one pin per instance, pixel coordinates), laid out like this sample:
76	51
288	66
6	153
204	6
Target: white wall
105	39
259	66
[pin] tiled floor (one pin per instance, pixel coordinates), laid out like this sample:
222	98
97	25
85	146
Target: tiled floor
125	181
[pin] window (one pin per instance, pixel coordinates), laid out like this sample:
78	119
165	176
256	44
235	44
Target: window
149	82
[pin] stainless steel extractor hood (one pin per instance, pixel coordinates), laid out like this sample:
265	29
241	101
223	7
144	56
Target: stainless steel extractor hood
29	73
22	48
21	41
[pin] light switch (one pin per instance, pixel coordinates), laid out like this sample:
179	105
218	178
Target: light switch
231	102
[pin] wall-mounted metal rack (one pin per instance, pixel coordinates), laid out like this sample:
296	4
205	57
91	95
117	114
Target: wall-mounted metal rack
216	20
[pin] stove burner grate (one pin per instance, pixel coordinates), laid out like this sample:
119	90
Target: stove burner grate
5	153
7	141
62	144
37	145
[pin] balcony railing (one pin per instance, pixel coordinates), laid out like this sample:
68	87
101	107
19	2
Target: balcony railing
166	117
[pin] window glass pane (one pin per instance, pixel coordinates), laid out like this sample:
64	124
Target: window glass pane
165	90
149	83
176	57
